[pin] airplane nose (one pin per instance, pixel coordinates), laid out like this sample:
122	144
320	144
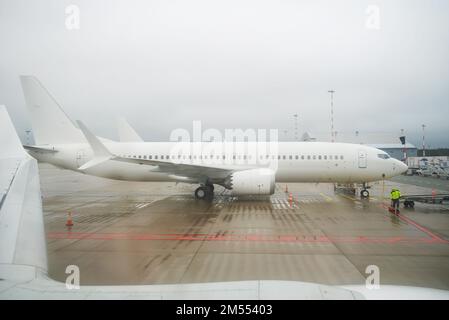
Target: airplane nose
402	167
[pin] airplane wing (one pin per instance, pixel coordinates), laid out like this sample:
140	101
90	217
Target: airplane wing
21	222
181	169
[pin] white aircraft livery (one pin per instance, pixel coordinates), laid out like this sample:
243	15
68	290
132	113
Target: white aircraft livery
244	168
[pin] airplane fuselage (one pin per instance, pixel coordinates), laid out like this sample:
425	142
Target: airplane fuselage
291	161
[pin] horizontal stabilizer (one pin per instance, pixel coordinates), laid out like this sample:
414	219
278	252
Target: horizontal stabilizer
40	149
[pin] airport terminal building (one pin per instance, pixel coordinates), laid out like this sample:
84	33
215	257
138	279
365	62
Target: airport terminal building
388	142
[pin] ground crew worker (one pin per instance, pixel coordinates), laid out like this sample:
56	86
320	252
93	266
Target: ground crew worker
395	195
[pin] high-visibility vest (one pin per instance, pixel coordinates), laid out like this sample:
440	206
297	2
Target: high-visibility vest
395	195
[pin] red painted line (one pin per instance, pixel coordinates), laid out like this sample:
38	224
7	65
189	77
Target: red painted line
237	237
418	226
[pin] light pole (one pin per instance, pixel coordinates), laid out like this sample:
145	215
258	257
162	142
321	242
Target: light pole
423	140
296	126
332	115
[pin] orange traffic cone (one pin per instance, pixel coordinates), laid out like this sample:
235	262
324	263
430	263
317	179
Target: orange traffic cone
290	199
69	222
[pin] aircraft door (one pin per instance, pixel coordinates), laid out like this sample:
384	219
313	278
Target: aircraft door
362	159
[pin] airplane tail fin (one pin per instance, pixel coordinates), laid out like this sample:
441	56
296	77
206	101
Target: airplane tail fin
23	253
49	122
126	132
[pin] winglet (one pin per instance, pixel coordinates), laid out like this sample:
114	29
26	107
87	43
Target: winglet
126	132
10	142
101	153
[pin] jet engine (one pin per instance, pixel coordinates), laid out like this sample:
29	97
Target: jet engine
251	181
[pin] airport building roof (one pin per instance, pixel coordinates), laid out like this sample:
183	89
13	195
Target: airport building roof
381	140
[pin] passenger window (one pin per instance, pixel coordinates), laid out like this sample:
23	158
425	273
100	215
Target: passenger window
330	157
296	157
155	157
302	157
319	157
308	157
325	157
283	157
290	157
341	157
150	157
314	157
336	158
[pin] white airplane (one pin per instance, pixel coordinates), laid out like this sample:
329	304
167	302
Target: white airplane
244	168
23	253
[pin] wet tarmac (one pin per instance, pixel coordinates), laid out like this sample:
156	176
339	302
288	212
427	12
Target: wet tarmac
157	233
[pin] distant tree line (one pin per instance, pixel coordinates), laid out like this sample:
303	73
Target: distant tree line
442	152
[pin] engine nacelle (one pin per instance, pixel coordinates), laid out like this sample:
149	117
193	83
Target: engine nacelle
252	181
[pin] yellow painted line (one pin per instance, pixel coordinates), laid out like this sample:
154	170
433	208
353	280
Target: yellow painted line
327	198
348	197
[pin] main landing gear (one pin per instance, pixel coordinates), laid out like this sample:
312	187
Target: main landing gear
205	192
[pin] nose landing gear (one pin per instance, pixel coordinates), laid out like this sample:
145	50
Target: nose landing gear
364	193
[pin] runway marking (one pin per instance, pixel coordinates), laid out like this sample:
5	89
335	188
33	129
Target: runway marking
326	197
243	238
143	205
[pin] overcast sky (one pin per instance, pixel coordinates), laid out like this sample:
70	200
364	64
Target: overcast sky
234	64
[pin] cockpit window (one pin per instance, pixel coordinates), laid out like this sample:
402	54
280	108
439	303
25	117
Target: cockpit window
383	156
